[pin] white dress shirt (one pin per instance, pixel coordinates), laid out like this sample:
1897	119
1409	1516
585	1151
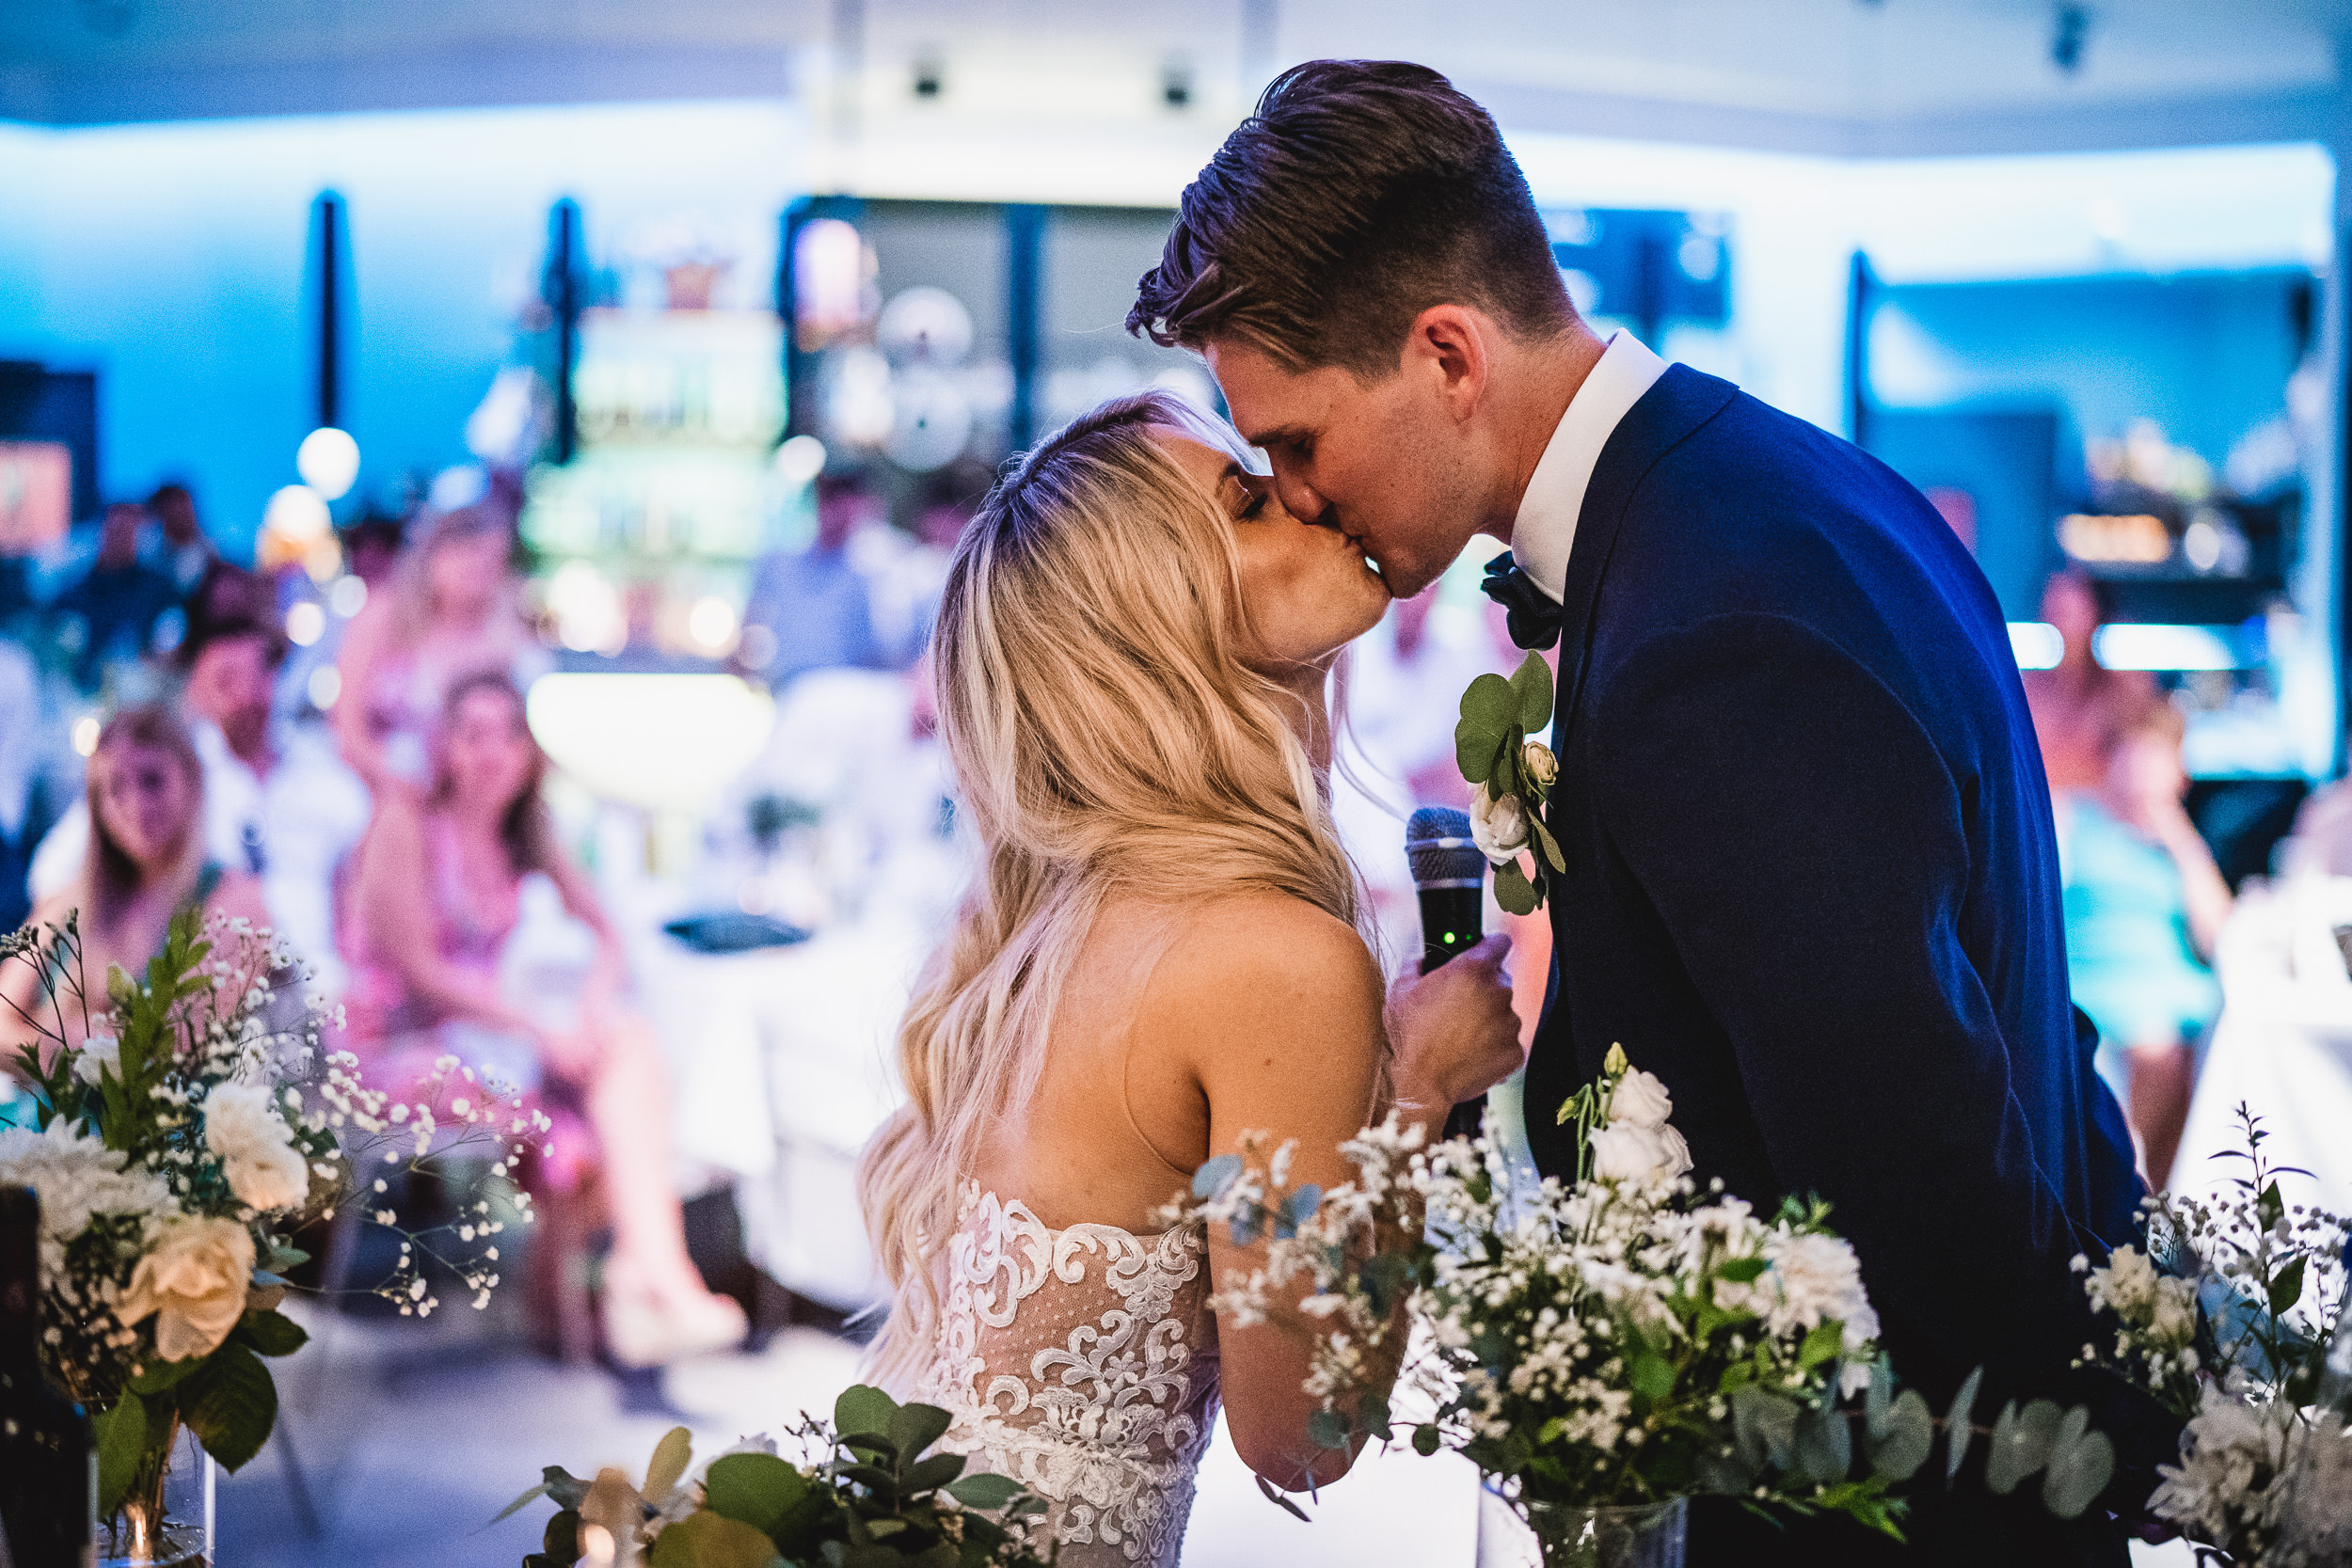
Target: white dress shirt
1545	530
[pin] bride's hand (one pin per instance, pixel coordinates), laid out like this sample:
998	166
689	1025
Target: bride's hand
1453	1030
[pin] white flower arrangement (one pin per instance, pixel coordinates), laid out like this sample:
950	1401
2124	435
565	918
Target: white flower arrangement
1610	1342
187	1123
2228	1317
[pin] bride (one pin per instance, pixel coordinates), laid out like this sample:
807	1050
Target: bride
1165	948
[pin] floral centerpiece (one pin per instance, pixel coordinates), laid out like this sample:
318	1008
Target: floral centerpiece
2234	1318
185	1124
1607	1347
866	1494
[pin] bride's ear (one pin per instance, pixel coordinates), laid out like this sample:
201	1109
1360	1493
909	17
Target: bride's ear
1449	349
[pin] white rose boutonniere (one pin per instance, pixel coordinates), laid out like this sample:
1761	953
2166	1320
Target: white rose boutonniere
1498	826
193	1281
1512	778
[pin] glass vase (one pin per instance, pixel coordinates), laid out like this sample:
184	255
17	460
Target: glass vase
1512	1534
165	1521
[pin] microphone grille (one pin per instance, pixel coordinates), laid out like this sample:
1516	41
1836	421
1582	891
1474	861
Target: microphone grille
1438	847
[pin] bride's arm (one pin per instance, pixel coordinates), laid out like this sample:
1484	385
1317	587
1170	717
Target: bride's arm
1278	1006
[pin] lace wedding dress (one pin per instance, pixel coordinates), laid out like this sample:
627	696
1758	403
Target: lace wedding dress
1083	1364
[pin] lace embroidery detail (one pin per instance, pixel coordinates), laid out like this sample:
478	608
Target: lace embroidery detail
1083	1364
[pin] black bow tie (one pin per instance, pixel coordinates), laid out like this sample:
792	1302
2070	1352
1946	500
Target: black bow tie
1534	615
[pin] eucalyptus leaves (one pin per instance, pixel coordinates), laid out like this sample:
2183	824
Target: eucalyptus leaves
870	1495
1513	777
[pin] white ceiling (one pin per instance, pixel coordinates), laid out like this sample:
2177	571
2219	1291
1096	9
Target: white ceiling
1822	76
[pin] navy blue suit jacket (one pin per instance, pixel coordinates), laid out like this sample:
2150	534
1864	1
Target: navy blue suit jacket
1812	883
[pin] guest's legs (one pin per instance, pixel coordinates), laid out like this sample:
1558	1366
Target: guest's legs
628	1104
2163	1073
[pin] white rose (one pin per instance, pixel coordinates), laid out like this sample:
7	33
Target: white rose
1818	1279
1641	1100
1498	826
1536	761
256	1147
99	1052
1650	1156
194	1281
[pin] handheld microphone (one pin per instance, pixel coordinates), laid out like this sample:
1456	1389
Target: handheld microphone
1450	874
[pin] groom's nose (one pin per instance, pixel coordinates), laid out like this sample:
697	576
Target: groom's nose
1301	500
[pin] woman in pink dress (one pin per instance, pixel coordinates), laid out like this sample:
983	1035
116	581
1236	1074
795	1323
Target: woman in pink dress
450	611
438	893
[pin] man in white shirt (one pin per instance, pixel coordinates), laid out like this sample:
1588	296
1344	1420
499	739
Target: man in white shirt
279	803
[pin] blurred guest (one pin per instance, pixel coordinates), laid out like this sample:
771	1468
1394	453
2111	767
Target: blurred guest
440	891
279	803
904	590
451	610
116	609
187	552
371	550
808	608
2145	904
145	857
2079	705
226	593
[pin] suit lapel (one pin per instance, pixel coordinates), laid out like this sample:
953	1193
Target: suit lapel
1679	402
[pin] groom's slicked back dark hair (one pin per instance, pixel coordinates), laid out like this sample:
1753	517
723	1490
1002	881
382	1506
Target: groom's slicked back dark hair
1357	195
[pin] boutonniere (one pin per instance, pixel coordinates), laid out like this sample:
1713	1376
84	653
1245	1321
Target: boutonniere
1511	778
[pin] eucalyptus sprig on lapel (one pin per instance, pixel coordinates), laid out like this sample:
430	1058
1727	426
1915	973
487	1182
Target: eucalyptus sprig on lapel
1511	777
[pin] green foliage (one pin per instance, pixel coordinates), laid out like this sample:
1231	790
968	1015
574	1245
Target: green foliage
231	1405
271	1333
121	1434
1490	746
878	1499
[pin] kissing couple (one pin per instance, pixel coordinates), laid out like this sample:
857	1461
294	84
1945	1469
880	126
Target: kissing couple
1810	877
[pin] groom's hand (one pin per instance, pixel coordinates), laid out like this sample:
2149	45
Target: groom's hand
1453	1030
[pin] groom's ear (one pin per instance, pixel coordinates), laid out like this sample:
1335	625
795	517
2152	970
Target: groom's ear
1449	350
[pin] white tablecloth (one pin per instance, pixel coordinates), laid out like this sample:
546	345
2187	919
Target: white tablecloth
2283	1046
781	1062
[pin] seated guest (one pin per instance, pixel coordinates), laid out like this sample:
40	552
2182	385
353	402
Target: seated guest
279	803
145	855
440	891
2145	905
184	553
808	608
2079	703
114	610
452	610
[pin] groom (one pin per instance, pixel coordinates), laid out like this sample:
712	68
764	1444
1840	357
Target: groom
1811	877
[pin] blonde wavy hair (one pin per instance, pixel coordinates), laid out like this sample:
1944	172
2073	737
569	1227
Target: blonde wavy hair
1105	733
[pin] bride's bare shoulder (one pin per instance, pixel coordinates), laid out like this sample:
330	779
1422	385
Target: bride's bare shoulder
1265	962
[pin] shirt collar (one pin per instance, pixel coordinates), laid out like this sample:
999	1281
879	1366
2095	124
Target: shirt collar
1545	530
